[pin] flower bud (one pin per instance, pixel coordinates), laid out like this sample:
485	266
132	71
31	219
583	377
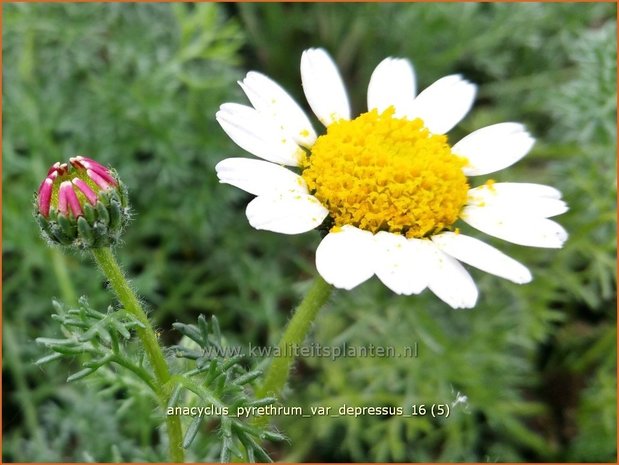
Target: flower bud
81	204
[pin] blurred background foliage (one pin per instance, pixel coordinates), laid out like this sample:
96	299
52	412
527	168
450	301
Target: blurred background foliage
136	86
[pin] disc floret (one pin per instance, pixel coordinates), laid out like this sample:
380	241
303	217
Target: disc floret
381	173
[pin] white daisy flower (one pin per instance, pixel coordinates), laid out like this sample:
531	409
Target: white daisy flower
387	185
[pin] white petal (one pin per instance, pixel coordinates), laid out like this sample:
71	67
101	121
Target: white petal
442	105
258	134
523	230
259	177
494	148
449	280
401	263
518	199
346	258
392	83
270	99
522	189
323	86
286	213
483	256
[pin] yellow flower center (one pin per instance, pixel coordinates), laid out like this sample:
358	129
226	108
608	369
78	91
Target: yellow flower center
381	173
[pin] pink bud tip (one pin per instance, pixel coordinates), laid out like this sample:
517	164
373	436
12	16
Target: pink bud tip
77	162
98	179
86	190
58	168
90	164
51	178
45	196
67	199
104	173
53	168
87	162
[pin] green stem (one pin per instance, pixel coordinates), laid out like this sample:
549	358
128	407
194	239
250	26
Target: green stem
109	266
295	333
137	370
62	275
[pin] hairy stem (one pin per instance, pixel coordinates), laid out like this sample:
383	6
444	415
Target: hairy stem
294	335
137	370
59	263
109	266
